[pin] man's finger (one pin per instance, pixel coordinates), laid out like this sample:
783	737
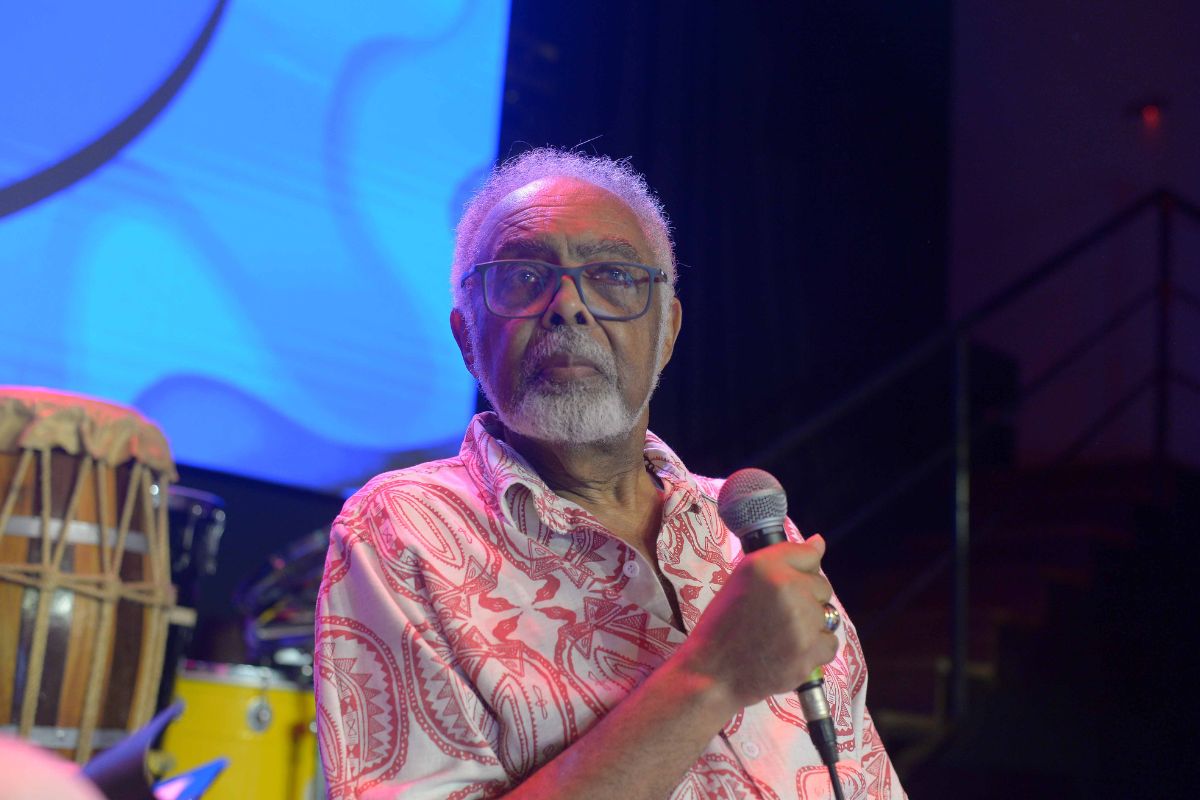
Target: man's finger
805	557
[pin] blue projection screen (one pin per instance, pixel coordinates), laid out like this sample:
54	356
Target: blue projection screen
237	217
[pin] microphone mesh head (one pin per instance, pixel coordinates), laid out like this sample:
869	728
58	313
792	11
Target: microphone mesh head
751	500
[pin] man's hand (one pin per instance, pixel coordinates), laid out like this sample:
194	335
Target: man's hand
761	635
764	633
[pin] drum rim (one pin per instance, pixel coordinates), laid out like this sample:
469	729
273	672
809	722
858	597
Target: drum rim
245	675
183	498
66	737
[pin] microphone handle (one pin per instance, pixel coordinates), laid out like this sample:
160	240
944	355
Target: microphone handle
813	702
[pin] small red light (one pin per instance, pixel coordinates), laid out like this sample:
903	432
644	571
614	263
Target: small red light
1151	116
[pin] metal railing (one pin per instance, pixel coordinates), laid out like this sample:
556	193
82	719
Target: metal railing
955	339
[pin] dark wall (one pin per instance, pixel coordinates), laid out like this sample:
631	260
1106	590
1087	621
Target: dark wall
801	151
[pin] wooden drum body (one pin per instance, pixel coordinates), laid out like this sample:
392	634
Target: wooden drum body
85	584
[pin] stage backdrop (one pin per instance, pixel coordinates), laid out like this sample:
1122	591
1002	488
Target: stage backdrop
237	217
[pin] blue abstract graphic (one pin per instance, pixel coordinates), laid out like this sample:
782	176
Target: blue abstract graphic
237	217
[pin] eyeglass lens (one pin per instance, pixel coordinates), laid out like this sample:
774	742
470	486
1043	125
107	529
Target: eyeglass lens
609	289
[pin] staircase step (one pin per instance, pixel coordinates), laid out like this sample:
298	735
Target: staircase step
1074	608
1062	564
911	694
1014	589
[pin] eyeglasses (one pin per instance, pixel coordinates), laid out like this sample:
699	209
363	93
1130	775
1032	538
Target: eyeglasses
611	290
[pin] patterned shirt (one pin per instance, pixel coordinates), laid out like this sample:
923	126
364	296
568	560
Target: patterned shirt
472	623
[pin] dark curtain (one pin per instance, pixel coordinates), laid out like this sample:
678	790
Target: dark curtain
801	151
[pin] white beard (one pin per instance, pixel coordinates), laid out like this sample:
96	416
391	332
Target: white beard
571	412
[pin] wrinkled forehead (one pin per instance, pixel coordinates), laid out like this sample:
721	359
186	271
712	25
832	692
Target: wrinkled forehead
555	218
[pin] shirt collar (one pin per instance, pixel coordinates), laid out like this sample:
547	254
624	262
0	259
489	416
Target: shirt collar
500	469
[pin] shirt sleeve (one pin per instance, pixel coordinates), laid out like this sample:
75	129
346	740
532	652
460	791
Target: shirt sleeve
394	716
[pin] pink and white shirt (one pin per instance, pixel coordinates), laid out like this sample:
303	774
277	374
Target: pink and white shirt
471	624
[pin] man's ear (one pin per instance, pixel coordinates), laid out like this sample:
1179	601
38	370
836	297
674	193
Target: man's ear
458	326
674	322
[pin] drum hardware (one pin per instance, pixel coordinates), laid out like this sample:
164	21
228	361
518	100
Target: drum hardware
194	513
278	604
259	716
262	717
195	524
295	657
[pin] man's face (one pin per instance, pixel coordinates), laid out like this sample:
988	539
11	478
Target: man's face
566	376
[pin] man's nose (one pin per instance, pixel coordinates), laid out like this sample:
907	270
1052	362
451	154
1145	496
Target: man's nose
566	306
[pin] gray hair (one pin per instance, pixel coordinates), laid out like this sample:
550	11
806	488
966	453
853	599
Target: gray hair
603	172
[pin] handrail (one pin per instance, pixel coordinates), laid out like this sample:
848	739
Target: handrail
943	561
897	489
956	334
1123	403
1027	391
934	343
1181	203
1057	262
1086	343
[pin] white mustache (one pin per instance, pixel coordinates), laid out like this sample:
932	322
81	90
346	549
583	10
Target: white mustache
571	342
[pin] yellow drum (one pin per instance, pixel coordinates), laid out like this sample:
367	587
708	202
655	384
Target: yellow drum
262	722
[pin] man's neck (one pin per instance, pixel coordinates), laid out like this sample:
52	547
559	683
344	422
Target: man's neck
604	473
608	479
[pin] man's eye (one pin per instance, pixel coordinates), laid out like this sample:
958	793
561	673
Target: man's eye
617	276
516	277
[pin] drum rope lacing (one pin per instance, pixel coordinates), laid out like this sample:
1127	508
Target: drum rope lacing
107	586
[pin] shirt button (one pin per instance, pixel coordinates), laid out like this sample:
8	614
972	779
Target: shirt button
631	569
751	750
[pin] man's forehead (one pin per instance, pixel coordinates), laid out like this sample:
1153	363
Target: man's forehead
590	221
560	188
519	244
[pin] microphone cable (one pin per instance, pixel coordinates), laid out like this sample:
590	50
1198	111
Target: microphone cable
815	706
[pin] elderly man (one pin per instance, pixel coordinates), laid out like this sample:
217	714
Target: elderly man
558	611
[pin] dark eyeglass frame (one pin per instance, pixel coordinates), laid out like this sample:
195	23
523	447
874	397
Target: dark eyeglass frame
654	275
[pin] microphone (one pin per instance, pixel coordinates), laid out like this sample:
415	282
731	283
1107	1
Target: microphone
753	505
